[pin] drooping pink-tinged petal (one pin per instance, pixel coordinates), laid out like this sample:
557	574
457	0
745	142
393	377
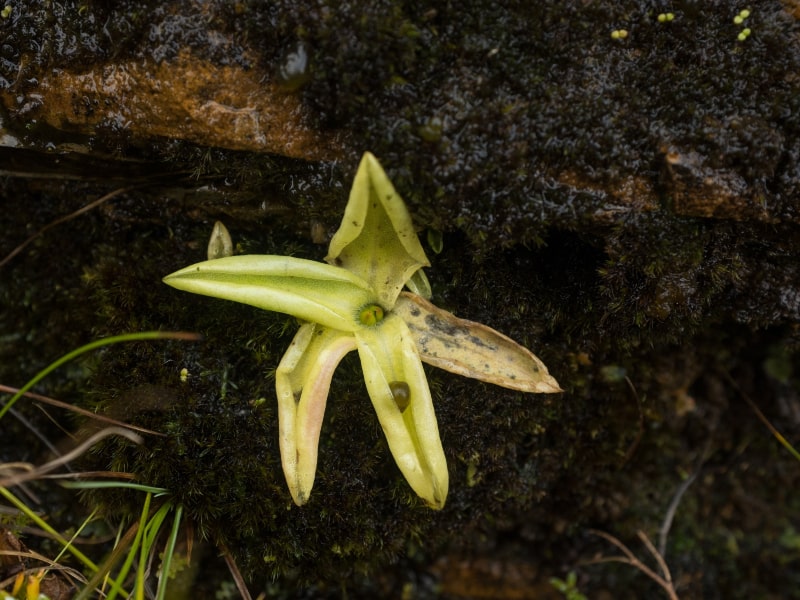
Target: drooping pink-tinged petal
472	349
399	392
302	381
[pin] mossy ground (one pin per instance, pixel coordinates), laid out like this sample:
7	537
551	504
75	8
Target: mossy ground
532	473
512	131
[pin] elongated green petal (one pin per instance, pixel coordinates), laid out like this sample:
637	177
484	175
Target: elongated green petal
302	382
399	392
307	289
471	349
376	239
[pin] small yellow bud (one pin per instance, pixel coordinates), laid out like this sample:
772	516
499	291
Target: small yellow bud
18	582
220	244
619	34
184	374
32	587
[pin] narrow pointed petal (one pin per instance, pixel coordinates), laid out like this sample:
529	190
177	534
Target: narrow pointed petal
302	381
399	392
471	349
418	284
376	239
220	244
307	289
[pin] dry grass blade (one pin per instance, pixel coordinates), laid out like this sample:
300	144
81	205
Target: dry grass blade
60	220
777	434
58	579
630	558
78	410
51	566
36	472
640	433
91	475
235	573
117	554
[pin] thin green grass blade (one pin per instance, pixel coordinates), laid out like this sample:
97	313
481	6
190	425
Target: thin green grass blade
45	526
97	485
115	339
152	529
83	525
103	576
169	550
126	566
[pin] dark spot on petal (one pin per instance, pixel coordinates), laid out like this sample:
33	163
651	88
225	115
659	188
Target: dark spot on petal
401	394
435	323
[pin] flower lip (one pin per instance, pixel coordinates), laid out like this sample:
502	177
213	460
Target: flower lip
371	314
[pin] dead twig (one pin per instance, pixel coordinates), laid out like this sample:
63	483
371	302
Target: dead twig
63	219
777	434
639	434
80	411
629	558
666	525
31	472
235	572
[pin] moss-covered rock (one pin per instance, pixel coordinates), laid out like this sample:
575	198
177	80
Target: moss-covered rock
625	207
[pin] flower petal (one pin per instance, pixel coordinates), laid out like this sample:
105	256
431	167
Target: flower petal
302	381
307	289
471	349
399	392
376	239
220	244
418	284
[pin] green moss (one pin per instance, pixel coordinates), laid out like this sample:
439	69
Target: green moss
220	459
556	465
519	97
540	119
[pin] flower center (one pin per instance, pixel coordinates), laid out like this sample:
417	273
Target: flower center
371	314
